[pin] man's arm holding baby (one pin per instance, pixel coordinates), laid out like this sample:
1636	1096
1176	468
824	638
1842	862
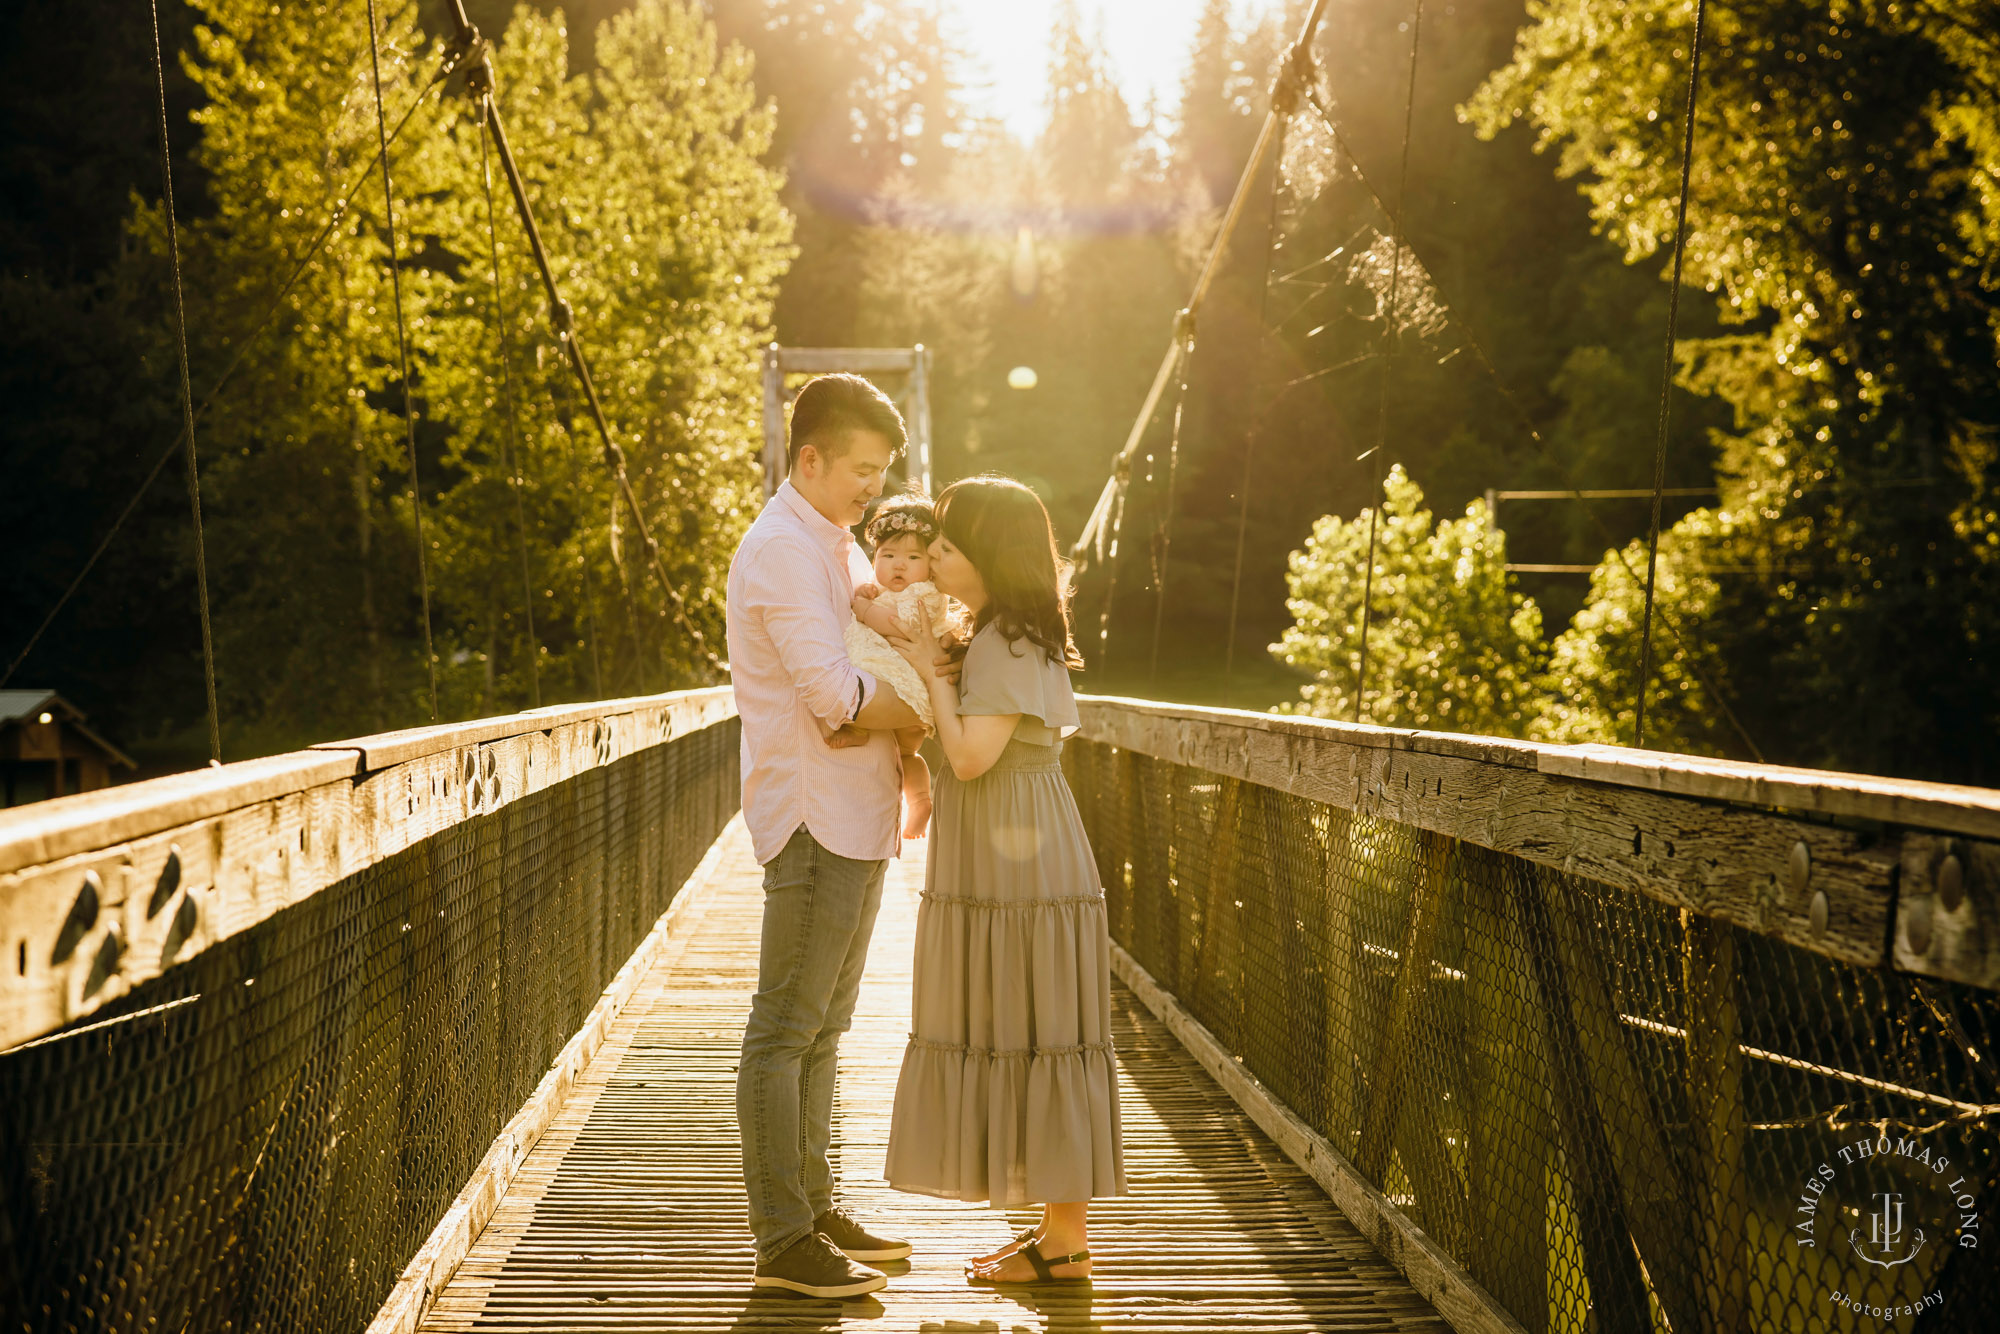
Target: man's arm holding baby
806	635
881	710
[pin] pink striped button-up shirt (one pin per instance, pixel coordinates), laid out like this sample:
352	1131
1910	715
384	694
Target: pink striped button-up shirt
790	586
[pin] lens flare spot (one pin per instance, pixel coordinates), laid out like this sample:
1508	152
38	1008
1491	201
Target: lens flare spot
1023	377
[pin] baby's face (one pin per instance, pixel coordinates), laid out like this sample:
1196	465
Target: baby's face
901	561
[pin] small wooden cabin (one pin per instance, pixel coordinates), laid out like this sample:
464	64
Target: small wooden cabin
47	751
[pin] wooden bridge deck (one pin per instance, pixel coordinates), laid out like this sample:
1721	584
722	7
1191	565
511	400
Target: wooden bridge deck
629	1213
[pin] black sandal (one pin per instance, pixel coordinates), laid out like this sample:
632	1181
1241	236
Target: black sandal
1044	1269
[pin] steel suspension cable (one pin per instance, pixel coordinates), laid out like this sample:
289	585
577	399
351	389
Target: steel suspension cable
403	359
1667	377
1166	534
563	318
512	454
1534	434
187	400
1391	341
1296	69
243	346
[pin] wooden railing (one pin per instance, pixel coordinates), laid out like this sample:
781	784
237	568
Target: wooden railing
1569	1031
275	1037
100	892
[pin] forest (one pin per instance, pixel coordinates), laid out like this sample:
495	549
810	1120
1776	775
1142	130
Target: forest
1454	285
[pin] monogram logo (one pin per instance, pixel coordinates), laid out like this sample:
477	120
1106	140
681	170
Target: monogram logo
1882	1192
1885	1234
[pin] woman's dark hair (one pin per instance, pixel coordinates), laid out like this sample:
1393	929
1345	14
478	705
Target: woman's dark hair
907	514
1003	529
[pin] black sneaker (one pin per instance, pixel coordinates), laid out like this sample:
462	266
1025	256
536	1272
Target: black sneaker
839	1227
814	1266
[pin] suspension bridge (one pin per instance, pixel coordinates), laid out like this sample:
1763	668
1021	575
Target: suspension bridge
436	1029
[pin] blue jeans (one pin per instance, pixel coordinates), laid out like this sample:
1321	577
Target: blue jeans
819	913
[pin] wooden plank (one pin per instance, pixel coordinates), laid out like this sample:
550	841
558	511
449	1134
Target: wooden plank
630	1212
684	711
1718	1125
1938	806
1463	1303
1721	861
206	856
49	830
431	1269
1941	806
1510	1125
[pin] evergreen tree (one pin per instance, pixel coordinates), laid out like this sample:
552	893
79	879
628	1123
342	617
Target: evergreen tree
668	240
866	97
1594	664
1107	278
312	561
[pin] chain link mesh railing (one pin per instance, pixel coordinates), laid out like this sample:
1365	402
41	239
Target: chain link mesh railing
259	1139
1612	1115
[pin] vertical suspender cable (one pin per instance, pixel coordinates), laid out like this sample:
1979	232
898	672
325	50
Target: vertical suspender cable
243	343
1112	525
1667	378
187	402
1257	428
1173	476
1390	339
582	555
512	460
1549	455
403	360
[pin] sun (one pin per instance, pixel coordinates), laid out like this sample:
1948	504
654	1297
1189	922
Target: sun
1008	52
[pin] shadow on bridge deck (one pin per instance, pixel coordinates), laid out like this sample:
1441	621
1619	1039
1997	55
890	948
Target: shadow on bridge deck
629	1213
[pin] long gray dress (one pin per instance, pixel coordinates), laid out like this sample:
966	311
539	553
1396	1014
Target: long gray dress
1009	1086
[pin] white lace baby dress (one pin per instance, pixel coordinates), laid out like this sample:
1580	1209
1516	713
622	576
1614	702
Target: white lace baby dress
871	652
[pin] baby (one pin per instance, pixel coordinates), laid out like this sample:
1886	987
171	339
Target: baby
901	532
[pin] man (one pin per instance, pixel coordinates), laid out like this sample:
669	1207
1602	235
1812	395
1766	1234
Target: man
823	822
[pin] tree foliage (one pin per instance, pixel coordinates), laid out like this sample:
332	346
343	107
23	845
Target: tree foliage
1592	683
1451	645
1844	215
667	239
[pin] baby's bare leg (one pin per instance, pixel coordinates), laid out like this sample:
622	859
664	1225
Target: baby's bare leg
916	783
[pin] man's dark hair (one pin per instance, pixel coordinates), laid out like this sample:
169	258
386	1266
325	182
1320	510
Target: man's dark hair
831	406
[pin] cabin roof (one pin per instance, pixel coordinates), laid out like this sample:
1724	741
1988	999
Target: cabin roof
20	705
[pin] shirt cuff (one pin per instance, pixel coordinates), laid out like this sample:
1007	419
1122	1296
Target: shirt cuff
864	690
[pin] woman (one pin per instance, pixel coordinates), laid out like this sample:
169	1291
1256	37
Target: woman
1009	1087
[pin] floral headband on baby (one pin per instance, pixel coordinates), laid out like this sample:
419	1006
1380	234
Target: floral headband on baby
901	520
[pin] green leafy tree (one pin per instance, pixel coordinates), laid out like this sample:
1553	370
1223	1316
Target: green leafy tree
1593	671
1843	215
668	240
311	552
1451	645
